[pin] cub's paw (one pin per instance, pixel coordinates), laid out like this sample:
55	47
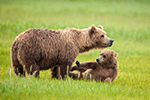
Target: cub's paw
72	68
78	63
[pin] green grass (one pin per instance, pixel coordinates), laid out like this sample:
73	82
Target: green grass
125	21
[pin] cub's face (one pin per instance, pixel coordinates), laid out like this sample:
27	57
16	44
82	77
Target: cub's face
107	56
99	38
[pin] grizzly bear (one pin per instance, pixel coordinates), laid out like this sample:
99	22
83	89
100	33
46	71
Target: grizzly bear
42	49
104	70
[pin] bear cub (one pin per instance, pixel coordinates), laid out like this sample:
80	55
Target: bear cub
105	69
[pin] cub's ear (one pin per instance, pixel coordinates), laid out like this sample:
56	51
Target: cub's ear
115	54
93	29
100	26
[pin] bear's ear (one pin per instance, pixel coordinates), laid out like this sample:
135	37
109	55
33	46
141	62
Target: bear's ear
100	26
115	54
93	29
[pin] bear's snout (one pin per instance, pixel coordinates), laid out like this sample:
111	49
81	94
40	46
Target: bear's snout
111	43
97	60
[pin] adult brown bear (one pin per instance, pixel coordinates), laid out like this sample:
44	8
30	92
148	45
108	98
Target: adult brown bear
38	49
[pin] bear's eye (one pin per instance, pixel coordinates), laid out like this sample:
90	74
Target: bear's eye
104	56
102	36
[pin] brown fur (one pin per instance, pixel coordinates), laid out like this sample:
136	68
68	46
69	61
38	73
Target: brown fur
104	70
38	49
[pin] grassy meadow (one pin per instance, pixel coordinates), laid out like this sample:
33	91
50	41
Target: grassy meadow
125	21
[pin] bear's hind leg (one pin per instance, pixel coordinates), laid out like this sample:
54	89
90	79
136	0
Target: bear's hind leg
33	70
18	69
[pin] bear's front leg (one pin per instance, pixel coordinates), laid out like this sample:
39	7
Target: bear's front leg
59	71
62	71
54	72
